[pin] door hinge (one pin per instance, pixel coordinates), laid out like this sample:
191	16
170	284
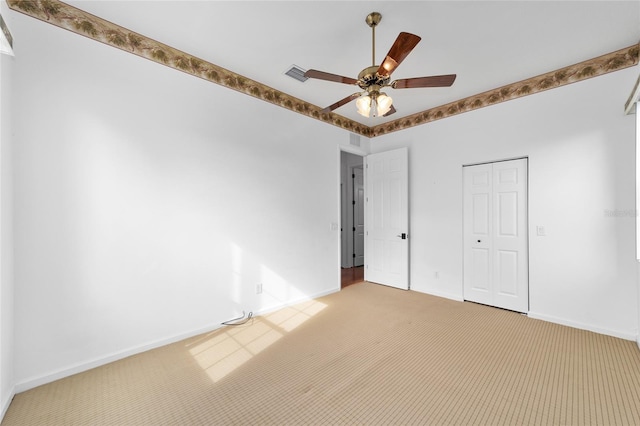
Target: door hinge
354	229
353	176
354	255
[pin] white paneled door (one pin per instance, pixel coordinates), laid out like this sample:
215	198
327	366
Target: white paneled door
496	262
387	218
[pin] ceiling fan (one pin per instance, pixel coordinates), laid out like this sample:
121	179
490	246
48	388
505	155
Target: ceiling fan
373	102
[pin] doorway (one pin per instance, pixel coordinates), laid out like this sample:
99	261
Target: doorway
375	216
352	218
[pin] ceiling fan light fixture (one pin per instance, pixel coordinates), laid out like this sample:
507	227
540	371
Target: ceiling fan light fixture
384	103
364	105
372	102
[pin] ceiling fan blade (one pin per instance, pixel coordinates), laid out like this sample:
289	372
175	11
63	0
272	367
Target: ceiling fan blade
321	75
403	45
340	103
433	81
391	111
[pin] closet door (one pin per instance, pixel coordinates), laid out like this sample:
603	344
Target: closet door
495	235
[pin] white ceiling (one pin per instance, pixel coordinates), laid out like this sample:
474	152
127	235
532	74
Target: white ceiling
488	44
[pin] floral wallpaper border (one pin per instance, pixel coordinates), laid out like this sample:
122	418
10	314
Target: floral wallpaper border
73	19
604	64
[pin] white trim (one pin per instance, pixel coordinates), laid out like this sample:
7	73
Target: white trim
97	362
443	294
583	326
522	157
352	150
630	106
6	39
7	402
268	310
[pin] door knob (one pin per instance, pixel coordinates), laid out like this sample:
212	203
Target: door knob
479	241
403	236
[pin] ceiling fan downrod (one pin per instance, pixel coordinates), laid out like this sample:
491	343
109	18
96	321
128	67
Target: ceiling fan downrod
369	79
373	19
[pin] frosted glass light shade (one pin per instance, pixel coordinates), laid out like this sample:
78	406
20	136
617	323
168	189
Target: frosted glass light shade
384	104
364	105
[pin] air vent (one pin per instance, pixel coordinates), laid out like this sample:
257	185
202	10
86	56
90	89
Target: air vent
297	73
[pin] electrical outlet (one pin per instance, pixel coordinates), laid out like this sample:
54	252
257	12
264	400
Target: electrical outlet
259	288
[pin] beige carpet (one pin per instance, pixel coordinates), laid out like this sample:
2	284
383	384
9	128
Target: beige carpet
366	355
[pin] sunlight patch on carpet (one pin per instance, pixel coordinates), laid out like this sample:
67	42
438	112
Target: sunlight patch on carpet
228	350
292	317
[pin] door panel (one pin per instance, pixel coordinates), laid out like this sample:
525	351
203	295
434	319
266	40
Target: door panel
387	218
507	214
477	244
507	276
481	214
495	234
481	271
512	180
395	204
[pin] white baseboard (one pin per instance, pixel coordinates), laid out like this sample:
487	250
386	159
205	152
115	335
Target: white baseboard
264	311
97	362
582	326
451	296
6	402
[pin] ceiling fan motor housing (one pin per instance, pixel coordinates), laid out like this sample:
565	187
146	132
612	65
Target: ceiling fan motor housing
369	77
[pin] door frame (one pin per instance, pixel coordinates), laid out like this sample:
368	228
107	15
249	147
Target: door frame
351	223
342	194
521	157
480	163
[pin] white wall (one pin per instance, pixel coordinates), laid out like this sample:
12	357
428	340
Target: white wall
581	164
7	380
149	204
